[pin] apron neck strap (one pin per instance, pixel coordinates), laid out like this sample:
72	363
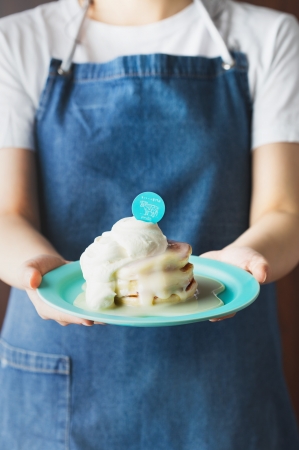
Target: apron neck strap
228	61
66	64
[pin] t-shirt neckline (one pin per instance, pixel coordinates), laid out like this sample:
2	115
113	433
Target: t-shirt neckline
155	30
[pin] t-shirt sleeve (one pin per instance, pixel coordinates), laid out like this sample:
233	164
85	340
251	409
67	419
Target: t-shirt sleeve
17	111
276	102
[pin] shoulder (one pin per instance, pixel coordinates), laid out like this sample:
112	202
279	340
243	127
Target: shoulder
28	40
257	26
39	22
254	15
270	40
40	19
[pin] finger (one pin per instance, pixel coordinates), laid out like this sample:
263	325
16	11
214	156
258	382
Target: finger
211	255
65	324
223	318
31	272
45	263
31	278
260	270
100	323
47	312
65	319
35	278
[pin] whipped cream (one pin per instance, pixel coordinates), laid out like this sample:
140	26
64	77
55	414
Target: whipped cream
129	240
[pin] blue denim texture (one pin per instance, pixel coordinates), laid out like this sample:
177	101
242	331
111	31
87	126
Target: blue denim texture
178	126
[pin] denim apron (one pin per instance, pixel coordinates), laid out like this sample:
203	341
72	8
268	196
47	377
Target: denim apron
179	126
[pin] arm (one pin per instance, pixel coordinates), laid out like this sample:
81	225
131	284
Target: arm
274	215
269	249
25	255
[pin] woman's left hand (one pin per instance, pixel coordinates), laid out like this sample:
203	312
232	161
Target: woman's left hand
244	257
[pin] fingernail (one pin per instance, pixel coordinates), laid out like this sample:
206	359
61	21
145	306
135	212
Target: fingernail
264	278
87	324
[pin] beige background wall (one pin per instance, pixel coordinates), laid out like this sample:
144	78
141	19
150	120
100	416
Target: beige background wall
288	287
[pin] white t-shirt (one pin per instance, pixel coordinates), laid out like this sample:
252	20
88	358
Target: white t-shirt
269	39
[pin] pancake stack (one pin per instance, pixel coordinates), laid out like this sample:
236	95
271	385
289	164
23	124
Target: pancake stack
165	278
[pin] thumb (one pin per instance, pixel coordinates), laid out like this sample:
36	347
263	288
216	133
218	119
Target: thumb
31	278
260	270
33	270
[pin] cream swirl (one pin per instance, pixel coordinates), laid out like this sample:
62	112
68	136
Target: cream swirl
129	240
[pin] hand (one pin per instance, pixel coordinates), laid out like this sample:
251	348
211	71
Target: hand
244	257
30	274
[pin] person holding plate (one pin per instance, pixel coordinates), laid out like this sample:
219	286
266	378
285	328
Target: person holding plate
199	102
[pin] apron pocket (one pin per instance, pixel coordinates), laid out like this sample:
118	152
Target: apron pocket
34	399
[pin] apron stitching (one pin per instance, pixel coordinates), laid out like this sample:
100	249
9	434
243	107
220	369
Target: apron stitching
44	98
68	414
29	369
21	350
144	75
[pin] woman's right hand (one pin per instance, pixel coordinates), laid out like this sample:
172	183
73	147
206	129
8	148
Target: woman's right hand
20	237
30	275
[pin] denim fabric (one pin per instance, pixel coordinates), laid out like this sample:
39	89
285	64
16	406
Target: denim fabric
179	126
38	385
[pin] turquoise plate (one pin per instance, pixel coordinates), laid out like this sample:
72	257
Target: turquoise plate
60	287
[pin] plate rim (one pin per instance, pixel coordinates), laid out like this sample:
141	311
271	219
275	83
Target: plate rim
206	264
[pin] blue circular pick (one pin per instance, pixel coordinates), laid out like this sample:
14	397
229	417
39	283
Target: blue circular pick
148	207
